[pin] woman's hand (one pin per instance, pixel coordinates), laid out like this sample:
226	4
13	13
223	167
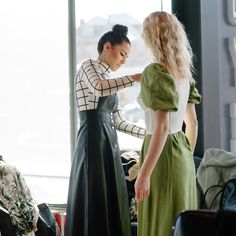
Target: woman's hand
142	187
136	77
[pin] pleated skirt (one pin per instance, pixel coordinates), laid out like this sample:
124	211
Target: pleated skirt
97	198
173	187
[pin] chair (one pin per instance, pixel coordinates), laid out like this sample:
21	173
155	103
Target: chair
205	223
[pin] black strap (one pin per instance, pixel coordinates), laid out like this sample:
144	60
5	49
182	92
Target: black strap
215	197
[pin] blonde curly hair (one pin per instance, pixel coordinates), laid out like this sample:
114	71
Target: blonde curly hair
165	36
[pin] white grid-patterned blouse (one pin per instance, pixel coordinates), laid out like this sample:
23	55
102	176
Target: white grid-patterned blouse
92	82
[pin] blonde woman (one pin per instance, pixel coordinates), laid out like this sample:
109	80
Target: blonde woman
166	181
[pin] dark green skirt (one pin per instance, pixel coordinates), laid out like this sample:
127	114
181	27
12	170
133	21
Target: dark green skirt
97	199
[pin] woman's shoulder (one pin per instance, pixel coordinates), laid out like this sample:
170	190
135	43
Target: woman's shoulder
95	65
89	61
158	89
88	65
156	73
155	67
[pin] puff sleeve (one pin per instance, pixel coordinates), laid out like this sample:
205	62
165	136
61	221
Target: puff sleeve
194	96
158	90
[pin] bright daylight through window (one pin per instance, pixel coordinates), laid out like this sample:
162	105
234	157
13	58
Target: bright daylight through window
34	92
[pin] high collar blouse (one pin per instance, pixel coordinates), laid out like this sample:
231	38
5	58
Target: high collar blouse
93	81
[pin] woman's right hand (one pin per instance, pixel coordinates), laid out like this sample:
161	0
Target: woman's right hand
142	187
136	77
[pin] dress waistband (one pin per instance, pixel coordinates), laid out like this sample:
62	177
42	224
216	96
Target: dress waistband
150	132
95	114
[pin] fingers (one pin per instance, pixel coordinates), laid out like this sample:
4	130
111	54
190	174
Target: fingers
141	194
142	187
146	193
136	77
138	196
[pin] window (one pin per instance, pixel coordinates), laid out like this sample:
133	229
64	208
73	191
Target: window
34	94
93	19
34	82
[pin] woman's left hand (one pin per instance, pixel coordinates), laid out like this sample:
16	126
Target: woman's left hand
136	77
142	187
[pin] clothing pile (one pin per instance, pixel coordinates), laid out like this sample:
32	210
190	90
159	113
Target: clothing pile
130	162
16	198
20	215
216	167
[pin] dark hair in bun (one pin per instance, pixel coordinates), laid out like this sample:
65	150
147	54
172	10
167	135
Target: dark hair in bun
118	35
122	29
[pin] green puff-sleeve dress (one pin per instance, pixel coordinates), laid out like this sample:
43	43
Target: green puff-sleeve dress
173	185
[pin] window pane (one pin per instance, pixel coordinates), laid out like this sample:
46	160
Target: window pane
95	18
34	92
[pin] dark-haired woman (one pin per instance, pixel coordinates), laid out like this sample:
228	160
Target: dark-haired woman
97	199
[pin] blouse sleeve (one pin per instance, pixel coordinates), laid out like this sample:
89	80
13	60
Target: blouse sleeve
158	90
125	126
194	96
98	84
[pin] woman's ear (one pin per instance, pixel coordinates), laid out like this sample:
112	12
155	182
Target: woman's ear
107	46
